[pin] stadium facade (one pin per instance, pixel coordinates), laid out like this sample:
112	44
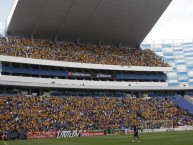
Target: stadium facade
93	22
101	22
179	54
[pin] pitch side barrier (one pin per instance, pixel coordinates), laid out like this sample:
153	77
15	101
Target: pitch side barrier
63	134
179	128
12	135
83	133
41	134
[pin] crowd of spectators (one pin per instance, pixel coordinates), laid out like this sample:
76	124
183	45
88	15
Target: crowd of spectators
43	113
73	52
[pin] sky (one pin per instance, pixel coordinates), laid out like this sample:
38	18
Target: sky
175	23
5	7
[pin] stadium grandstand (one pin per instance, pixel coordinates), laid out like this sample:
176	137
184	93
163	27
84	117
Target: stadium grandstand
77	66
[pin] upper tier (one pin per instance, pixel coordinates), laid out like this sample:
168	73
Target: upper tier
84	53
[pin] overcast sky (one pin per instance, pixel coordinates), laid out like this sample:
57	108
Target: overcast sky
5	7
175	23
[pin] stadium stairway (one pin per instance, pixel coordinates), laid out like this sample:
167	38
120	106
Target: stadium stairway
184	104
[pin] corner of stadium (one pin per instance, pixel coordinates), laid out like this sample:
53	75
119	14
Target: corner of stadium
80	68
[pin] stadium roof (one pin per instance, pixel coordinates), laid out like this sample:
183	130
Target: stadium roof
125	22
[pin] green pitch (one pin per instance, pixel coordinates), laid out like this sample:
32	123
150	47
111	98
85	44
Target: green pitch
166	138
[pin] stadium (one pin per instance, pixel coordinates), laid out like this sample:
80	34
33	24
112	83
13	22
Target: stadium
79	69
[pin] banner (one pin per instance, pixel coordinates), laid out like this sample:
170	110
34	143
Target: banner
79	74
110	76
67	134
91	75
128	131
92	134
43	134
63	134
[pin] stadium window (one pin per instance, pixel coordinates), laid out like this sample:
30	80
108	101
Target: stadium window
180	63
182	73
158	49
172	84
166	45
183	81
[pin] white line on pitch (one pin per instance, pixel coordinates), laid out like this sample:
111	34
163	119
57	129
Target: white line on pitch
5	143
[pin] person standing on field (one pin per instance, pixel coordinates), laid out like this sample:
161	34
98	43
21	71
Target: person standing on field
135	134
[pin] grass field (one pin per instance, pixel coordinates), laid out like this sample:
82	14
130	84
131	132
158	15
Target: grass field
166	138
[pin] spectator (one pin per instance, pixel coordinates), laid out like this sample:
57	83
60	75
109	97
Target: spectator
88	113
84	53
